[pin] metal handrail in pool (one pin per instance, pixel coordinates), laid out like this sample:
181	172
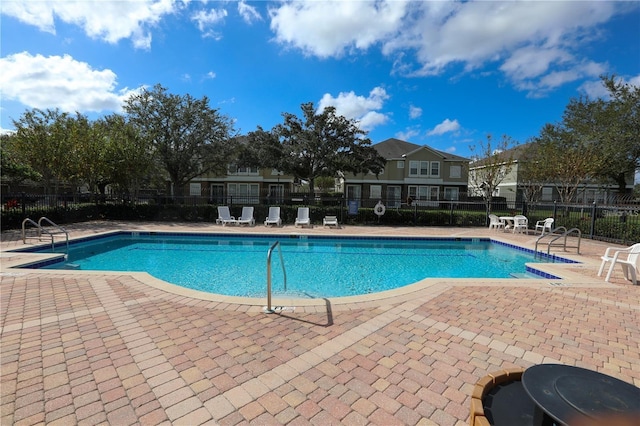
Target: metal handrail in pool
268	309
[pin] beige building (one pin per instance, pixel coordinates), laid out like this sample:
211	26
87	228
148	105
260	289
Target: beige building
514	187
246	185
413	173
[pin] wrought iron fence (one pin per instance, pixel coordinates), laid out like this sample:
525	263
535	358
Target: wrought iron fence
611	222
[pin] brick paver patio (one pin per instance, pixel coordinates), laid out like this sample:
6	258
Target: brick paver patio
90	348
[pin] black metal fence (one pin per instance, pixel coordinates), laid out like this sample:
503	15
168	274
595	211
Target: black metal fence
615	223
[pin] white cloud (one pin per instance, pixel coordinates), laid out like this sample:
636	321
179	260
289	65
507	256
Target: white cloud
110	21
329	28
595	89
248	13
59	82
208	19
210	75
414	112
360	108
534	44
408	134
445	127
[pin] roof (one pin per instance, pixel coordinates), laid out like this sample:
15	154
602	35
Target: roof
519	153
395	148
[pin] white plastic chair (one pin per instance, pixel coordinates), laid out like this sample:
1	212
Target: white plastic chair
274	217
630	264
224	216
247	217
544	225
303	217
330	221
495	222
520	224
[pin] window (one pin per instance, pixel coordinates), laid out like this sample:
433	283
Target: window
455	171
276	193
401	164
433	193
217	193
424	195
234	169
435	168
244	193
375	191
413	168
419	168
547	193
451	194
195	189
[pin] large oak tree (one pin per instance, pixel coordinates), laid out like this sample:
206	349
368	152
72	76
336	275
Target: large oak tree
318	144
189	137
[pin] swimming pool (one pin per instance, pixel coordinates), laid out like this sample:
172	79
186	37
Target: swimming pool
316	266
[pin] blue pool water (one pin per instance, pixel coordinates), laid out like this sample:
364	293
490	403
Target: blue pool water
315	266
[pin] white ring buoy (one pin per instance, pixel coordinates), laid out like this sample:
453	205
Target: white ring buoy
379	209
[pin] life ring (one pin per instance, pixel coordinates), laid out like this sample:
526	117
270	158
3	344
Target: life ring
379	209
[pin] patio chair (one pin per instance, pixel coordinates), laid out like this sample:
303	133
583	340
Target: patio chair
303	217
330	221
247	217
544	226
520	224
495	222
224	216
630	264
274	217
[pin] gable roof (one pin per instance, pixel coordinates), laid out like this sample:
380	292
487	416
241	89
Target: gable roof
517	154
393	148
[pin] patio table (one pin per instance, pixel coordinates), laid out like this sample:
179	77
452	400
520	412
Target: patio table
563	393
508	222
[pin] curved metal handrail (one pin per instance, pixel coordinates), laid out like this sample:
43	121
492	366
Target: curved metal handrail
59	231
268	309
557	235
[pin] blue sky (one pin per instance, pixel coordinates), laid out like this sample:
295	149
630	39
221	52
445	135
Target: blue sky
443	74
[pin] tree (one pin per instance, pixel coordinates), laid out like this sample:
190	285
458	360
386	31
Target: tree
42	140
188	136
531	175
491	164
567	158
14	170
127	157
615	128
321	144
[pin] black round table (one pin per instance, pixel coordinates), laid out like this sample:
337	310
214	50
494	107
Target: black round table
565	393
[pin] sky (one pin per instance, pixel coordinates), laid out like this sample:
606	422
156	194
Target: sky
436	73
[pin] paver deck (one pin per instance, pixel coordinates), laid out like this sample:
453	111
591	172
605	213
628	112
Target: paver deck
88	348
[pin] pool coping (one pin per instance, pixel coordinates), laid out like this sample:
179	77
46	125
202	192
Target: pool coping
553	274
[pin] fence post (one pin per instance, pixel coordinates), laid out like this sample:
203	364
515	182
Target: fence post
451	214
555	206
593	220
23	202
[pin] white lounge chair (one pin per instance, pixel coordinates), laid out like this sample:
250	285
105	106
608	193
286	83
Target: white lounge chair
630	264
303	217
247	217
330	221
274	217
495	222
544	225
224	216
520	224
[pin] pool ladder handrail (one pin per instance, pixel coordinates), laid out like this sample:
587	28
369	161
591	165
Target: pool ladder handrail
268	308
59	230
560	232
